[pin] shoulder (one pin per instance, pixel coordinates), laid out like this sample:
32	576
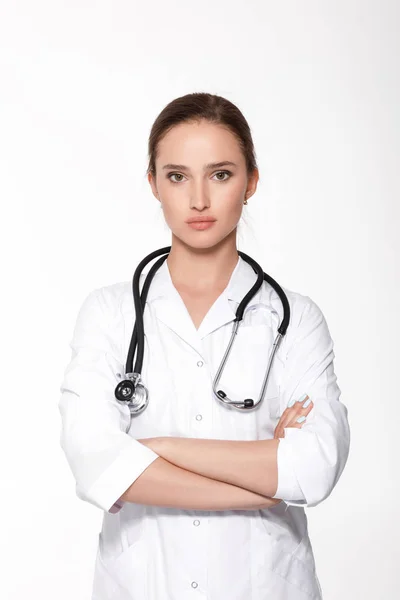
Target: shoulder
306	315
112	297
114	301
102	316
300	305
303	306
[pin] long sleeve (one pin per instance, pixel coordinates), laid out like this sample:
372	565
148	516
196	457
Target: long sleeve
105	460
311	459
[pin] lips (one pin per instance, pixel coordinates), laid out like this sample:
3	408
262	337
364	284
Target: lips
201	220
200	225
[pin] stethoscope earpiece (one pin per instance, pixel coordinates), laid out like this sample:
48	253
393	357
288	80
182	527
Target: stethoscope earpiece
247	403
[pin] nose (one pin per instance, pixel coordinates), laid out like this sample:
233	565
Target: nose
199	197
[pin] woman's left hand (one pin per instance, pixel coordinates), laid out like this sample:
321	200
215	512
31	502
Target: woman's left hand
294	411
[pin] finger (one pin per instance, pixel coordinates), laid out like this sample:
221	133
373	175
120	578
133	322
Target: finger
296	409
296	404
299	409
306	411
300	401
290	414
297	425
280	432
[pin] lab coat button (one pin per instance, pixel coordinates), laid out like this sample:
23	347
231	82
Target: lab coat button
196	522
199	417
200	363
194	584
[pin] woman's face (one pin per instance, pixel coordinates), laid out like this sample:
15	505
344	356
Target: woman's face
189	183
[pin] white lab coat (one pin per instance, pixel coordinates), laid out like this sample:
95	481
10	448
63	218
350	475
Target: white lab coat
155	553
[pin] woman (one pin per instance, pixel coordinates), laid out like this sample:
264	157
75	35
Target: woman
203	500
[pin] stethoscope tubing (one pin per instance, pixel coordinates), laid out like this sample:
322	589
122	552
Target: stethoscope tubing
133	374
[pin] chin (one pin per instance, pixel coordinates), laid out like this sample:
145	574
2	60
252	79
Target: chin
205	241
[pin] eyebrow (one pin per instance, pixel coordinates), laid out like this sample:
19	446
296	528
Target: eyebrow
208	166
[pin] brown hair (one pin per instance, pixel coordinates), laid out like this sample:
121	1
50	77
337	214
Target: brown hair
195	107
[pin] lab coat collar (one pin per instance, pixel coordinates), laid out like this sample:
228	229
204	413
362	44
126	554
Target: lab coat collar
171	310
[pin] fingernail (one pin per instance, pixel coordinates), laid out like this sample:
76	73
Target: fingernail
291	402
301	419
304	396
307	403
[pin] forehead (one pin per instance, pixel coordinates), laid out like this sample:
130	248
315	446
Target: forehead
197	138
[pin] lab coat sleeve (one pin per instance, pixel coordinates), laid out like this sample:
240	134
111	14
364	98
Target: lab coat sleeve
311	459
104	459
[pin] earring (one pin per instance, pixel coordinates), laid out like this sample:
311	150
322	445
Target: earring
245	201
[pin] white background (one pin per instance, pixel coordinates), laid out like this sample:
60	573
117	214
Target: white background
81	84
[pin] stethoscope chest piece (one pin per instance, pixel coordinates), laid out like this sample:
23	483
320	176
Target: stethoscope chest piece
133	393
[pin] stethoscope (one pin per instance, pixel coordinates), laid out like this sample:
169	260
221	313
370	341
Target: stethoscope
133	392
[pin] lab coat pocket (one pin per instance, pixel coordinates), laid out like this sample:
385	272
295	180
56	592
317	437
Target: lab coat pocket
121	576
289	550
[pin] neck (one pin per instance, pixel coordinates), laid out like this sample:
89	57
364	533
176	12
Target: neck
198	270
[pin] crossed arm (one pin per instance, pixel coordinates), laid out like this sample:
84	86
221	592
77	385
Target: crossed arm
208	474
248	464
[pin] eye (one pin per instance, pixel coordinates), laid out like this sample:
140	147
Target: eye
174	175
229	173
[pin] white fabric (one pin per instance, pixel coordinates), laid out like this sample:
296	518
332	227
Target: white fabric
151	552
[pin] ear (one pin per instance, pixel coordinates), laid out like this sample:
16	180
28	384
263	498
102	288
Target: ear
153	186
252	183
